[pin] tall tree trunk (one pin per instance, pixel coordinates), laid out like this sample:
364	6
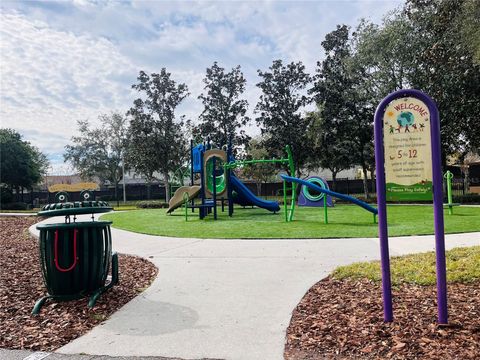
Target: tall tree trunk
334	179
365	180
116	193
167	187
372	177
259	188
149	189
466	179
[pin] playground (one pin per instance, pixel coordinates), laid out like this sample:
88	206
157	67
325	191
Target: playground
217	204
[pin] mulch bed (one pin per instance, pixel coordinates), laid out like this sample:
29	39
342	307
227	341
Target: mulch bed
21	285
343	319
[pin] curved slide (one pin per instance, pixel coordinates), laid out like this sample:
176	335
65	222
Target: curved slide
177	199
246	198
332	193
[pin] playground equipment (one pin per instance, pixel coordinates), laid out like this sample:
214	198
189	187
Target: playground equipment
321	199
75	256
179	176
212	181
217	182
306	198
178	199
315	187
240	194
449	176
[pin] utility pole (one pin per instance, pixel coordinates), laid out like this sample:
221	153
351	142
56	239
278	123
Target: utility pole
123	178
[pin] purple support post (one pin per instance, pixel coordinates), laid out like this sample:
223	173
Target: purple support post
437	179
382	212
437	203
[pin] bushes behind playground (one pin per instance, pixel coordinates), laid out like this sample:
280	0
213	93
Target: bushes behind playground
152	204
457	199
462	199
14	206
467	199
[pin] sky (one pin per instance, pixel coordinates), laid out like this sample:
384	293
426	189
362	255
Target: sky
64	61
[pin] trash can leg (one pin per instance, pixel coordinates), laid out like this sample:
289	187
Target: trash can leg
113	281
39	304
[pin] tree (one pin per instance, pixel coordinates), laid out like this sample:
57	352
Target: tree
470	29
22	165
386	54
331	147
224	113
157	142
283	97
333	125
100	151
261	172
465	162
448	72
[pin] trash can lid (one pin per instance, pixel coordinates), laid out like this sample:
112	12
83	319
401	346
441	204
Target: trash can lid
75	208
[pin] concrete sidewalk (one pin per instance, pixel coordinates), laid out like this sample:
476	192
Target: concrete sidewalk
228	299
40	355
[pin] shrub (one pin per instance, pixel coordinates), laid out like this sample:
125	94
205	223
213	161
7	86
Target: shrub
105	198
14	206
152	204
6	195
466	199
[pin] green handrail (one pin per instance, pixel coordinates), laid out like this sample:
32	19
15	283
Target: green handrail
289	212
185	204
449	176
291	166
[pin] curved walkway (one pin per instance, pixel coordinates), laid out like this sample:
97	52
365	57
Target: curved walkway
226	299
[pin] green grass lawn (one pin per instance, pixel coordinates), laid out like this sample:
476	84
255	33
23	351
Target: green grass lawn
344	221
462	266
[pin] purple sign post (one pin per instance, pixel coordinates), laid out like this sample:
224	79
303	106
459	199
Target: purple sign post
413	101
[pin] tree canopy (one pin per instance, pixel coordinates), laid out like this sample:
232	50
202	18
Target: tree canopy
99	152
224	112
284	94
157	141
22	165
429	45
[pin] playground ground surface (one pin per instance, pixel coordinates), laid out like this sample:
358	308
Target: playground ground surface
344	221
341	316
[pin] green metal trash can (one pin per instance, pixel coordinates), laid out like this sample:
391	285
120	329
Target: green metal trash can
76	257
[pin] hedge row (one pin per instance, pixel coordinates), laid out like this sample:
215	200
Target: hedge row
152	204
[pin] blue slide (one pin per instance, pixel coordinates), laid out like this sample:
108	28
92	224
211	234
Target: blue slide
245	197
332	193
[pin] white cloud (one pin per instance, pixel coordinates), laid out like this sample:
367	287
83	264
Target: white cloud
66	61
50	79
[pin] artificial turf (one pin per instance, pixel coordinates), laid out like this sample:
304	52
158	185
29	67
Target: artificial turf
344	221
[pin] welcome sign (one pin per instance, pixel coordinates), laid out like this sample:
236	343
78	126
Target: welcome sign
407	147
408	163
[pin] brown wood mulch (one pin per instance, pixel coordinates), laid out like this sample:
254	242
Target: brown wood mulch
21	285
343	319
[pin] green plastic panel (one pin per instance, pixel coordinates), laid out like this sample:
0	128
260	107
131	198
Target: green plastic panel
219	179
